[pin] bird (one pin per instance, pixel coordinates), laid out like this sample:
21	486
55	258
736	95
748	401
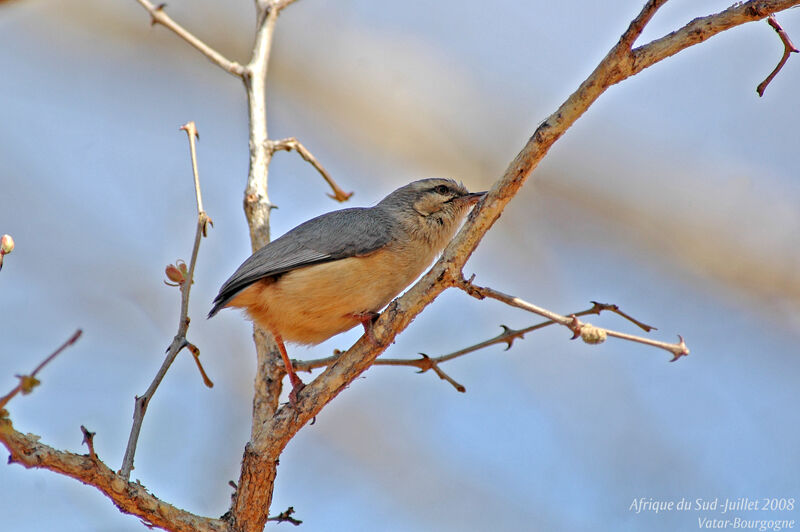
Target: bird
336	271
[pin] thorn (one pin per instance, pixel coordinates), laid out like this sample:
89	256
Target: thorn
88	439
575	327
681	350
510	341
425	363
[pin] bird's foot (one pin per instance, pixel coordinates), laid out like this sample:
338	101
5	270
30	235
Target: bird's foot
297	385
367	319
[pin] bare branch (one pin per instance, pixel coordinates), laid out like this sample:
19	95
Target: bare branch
701	29
615	309
637	25
292	143
180	341
678	350
788	48
26	382
251	502
159	16
424	363
129	497
286	516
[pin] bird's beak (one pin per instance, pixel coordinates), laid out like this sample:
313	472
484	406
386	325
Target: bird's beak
473	197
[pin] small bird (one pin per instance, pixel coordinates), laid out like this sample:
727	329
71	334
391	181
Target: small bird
337	270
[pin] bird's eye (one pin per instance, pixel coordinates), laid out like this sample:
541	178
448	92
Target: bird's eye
442	189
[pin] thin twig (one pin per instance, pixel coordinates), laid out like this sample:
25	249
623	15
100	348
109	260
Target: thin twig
292	143
286	516
280	5
571	322
180	341
159	16
424	363
26	382
788	48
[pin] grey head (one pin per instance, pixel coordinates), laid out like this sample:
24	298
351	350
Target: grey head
429	209
426	211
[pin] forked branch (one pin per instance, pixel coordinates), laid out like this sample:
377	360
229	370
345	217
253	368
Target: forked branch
590	334
788	49
159	16
425	362
183	277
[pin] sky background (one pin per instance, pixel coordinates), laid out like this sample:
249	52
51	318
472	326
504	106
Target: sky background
675	196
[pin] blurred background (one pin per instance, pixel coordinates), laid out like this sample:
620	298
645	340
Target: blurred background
675	196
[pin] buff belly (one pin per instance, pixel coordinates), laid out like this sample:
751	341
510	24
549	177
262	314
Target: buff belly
310	304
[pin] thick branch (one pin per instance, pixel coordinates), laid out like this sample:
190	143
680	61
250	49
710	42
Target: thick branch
250	506
129	497
159	16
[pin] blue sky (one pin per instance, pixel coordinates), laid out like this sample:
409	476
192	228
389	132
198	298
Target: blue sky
675	197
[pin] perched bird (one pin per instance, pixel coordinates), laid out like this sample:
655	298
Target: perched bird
339	269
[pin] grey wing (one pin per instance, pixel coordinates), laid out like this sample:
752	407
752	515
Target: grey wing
331	236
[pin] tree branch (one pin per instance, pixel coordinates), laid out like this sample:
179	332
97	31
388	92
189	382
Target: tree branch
159	16
129	497
788	49
616	66
292	143
572	322
183	278
425	363
28	382
251	502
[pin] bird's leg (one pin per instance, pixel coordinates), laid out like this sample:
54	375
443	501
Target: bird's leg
367	319
297	384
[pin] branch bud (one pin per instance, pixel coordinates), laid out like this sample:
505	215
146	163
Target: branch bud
6	244
176	273
592	335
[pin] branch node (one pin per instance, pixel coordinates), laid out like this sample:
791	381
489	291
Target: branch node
598	307
88	440
286	516
471	289
575	326
509	335
680	349
425	363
